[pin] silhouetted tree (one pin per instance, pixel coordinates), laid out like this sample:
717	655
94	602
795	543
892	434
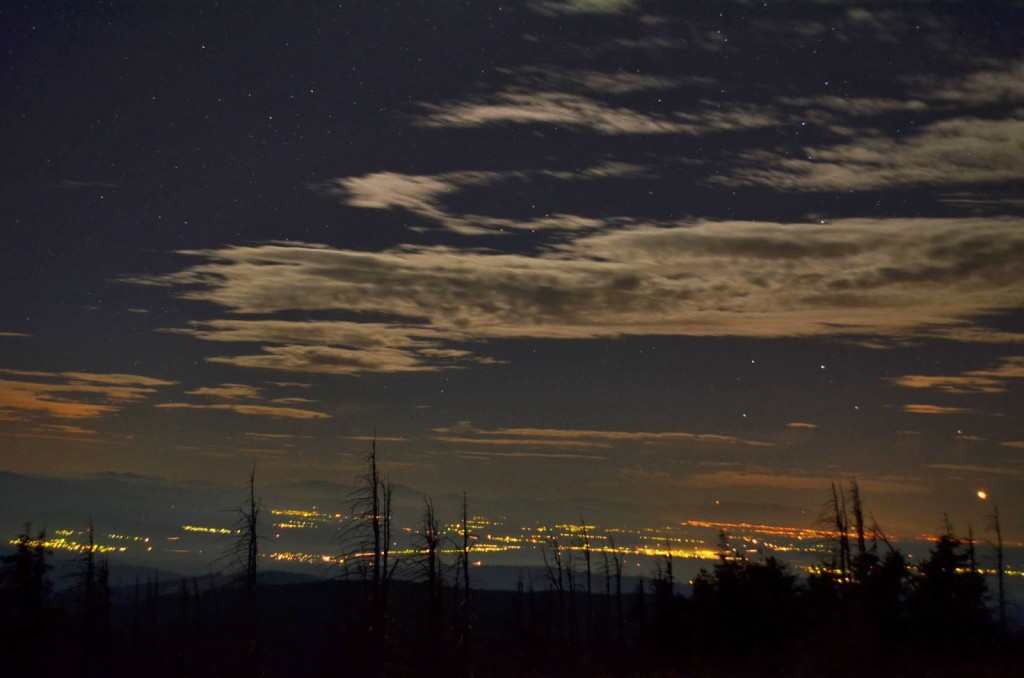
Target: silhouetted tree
368	548
1000	568
551	553
465	606
95	591
430	566
584	542
834	517
24	599
615	573
947	599
243	557
743	605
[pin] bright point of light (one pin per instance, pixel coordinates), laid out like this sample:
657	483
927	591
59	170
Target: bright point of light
982	494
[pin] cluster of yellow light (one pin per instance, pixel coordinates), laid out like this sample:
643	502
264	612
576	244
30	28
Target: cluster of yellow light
307	558
209	530
699	554
64	544
128	537
313	515
295	525
483	547
774	530
932	538
506	540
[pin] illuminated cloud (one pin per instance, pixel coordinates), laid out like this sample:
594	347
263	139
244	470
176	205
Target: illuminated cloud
15	335
227	391
252	410
958	384
425	195
1016	444
973	468
556	7
800	424
955	151
783	481
935	409
464	432
993	380
887	277
68	429
528	455
578	110
71	395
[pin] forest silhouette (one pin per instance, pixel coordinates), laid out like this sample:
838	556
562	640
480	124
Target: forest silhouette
863	611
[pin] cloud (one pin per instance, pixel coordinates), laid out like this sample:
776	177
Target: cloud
958	384
15	335
1001	83
464	432
424	195
433	306
251	410
227	391
800	424
557	7
783	481
531	107
994	380
71	395
1016	444
973	468
529	455
935	409
954	151
68	429
293	401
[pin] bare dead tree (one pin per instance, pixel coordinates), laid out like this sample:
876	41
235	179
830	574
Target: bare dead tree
617	574
1000	567
556	580
834	516
465	604
245	554
585	547
972	563
367	540
858	517
430	564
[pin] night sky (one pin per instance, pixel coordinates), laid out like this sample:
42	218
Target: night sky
677	259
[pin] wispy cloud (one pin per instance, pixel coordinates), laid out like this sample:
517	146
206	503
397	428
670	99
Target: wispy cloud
800	424
514	107
993	380
250	410
228	392
888	277
529	455
974	468
917	408
15	335
785	481
72	395
556	7
464	432
426	195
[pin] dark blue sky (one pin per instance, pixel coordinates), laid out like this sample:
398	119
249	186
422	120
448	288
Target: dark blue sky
647	253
